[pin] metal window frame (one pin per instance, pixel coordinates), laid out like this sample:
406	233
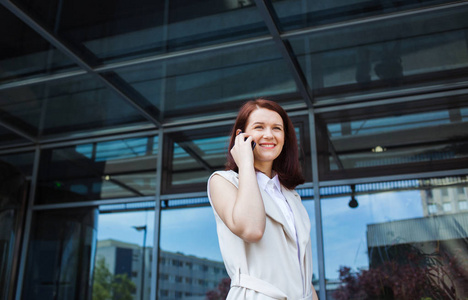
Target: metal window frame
27	226
318	207
158	198
310	109
61	46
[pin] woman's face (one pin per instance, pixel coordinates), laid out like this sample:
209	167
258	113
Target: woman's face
267	130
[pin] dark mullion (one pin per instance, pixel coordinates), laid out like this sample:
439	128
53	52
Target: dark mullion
271	20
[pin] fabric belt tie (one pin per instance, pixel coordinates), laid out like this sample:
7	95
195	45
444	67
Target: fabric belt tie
260	286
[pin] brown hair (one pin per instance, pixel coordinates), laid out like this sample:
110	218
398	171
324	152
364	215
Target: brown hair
286	165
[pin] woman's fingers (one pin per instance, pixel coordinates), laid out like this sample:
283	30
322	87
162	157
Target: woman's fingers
242	151
242	138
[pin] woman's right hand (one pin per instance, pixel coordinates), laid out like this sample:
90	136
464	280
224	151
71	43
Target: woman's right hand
242	151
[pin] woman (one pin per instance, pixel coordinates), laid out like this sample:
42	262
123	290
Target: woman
263	228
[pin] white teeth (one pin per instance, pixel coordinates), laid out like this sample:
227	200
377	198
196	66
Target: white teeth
268	146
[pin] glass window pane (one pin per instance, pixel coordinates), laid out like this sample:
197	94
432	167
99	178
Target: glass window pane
463	205
397	138
123	253
391	245
212	82
14	187
22	162
24	53
188	268
385	55
8	138
464	114
64	106
117	30
102	170
295	14
60	249
193	156
310	207
196	154
447	207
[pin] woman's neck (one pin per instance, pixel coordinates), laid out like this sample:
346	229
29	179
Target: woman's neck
265	168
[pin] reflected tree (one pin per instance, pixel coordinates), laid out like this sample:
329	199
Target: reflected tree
409	276
107	286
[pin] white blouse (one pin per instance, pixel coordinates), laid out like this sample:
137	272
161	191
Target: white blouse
273	188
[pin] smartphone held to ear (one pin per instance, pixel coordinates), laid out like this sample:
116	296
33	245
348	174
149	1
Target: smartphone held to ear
253	143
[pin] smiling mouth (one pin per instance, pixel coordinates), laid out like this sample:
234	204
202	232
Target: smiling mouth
267	145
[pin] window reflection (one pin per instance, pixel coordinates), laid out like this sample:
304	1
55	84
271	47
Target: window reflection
61	247
298	14
392	139
309	205
189	268
120	168
75	104
393	244
188	156
13	195
21	161
128	31
25	53
386	55
208	82
122	265
196	154
9	138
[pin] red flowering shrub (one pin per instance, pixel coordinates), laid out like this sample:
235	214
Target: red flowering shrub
418	276
222	291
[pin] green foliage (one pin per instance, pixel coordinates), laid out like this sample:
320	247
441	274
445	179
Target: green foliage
107	286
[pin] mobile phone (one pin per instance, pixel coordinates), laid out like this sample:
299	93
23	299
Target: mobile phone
253	143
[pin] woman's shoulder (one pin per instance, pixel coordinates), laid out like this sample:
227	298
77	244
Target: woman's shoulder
225	172
229	175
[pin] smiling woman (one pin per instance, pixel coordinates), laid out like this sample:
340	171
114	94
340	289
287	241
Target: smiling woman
258	214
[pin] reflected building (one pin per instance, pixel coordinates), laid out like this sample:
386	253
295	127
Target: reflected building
188	277
443	226
444	200
436	242
180	276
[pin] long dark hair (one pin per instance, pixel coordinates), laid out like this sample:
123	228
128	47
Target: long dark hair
286	165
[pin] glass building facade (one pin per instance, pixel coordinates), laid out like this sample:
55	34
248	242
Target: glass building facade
113	114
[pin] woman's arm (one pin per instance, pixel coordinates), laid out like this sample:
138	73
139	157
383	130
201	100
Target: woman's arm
242	209
314	293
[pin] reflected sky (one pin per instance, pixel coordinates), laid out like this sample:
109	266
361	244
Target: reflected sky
191	231
309	205
346	228
119	226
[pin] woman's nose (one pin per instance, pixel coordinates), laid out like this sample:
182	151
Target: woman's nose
267	133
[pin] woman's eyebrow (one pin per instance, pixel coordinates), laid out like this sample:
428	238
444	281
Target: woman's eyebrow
263	123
